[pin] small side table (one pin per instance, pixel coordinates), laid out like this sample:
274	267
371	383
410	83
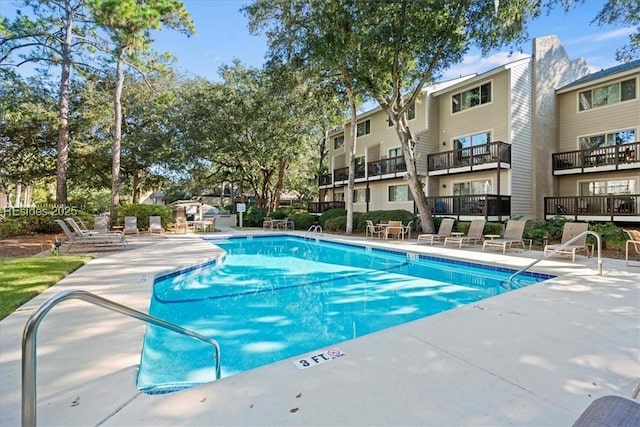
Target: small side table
492	236
457	234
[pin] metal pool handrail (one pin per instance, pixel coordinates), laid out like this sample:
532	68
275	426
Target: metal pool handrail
30	332
562	246
314	230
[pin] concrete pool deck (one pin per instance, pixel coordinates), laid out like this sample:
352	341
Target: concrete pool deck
531	357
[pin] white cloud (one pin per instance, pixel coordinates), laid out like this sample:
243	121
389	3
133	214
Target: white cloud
476	63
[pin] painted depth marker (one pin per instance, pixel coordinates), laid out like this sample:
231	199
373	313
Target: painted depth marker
319	358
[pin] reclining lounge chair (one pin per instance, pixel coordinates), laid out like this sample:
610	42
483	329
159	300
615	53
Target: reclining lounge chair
444	231
94	239
512	234
474	234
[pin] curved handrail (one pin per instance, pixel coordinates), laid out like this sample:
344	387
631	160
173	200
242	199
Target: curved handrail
30	332
562	246
314	229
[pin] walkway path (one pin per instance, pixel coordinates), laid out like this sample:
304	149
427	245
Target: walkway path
531	357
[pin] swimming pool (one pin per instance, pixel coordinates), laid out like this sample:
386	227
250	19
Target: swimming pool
271	298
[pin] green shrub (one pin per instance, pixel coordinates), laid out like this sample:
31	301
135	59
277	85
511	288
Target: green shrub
304	220
609	232
253	217
338	223
38	220
331	213
494	228
142	212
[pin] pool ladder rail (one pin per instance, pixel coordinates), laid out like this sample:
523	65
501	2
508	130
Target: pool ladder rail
314	230
29	335
559	248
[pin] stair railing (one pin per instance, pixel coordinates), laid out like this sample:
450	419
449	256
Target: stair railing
29	337
559	248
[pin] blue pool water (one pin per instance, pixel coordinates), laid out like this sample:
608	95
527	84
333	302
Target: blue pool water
272	298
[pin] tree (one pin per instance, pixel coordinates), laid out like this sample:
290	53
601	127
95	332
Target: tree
27	133
395	49
129	24
321	36
624	12
51	37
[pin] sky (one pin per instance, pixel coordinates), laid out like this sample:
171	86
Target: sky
222	36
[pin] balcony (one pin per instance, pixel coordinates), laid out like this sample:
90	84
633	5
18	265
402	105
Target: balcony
375	170
614	208
384	167
342	174
489	206
320	207
478	157
615	157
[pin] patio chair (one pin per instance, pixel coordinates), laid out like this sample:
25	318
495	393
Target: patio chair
634	240
267	223
512	234
155	225
79	230
569	231
394	228
407	229
474	234
372	230
94	239
444	231
131	225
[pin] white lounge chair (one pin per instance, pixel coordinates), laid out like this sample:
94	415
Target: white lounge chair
512	235
569	231
474	234
372	230
155	225
444	231
79	230
131	225
94	239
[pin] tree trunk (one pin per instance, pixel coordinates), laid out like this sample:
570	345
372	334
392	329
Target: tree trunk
352	159
408	150
62	159
117	136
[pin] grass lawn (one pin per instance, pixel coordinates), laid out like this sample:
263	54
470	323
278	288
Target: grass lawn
23	278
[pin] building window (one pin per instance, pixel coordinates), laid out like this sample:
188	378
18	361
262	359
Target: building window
338	142
627	136
338	197
364	128
400	193
411	111
360	195
607	95
483	186
471	98
395	152
361	166
614	186
472	140
411	114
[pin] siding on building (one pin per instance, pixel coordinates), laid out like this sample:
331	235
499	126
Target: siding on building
520	137
533	107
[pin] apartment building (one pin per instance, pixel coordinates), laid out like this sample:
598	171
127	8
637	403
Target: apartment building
507	142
